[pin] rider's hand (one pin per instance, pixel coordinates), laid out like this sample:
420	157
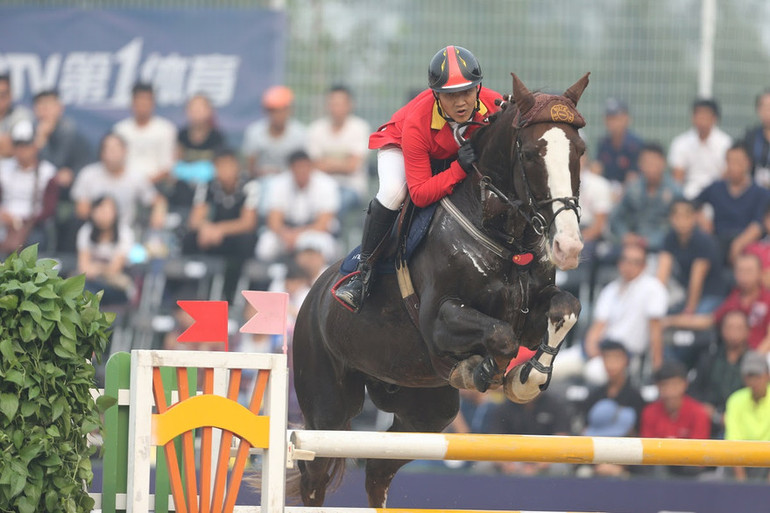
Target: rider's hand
466	157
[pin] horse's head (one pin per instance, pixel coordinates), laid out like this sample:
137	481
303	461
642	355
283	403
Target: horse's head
546	167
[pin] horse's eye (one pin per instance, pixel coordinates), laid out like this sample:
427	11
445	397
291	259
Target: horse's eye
529	155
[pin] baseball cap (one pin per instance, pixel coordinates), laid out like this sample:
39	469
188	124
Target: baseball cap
277	97
614	106
23	132
670	369
608	418
753	363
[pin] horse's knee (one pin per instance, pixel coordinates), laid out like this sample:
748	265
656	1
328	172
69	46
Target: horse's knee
563	304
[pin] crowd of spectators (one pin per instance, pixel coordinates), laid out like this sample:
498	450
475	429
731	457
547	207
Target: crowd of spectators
676	336
677	339
150	190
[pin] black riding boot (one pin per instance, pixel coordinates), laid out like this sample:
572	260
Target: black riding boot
355	287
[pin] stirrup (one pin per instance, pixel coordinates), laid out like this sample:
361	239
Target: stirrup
346	297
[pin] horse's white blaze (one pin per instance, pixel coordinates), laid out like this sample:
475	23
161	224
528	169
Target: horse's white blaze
560	184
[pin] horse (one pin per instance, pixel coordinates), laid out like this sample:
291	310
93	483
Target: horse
484	275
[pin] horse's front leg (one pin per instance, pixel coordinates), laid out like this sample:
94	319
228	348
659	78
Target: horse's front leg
527	380
460	330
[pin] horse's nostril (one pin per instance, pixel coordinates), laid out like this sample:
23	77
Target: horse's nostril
566	248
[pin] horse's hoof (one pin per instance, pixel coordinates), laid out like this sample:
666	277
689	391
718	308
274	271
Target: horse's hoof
461	376
485	374
519	391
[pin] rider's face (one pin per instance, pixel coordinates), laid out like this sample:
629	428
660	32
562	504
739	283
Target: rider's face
458	106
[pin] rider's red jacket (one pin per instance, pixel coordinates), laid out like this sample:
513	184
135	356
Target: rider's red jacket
423	134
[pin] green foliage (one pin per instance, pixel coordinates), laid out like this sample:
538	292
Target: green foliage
49	330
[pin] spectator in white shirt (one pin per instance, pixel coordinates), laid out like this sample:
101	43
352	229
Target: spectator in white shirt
28	192
268	142
697	157
303	202
103	244
150	139
10	114
110	176
338	144
629	310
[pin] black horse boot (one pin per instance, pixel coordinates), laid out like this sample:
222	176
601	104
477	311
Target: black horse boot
353	288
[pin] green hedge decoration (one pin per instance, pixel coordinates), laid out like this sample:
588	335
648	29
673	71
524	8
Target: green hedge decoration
49	330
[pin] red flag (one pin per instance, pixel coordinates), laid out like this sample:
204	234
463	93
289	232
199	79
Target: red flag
270	318
209	321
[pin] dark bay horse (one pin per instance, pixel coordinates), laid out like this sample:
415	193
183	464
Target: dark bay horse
485	280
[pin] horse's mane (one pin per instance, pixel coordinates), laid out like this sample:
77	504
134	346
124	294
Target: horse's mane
499	124
508	110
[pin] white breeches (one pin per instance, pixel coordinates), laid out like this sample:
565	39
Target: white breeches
392	174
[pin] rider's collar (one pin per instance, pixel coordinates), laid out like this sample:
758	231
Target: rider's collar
437	122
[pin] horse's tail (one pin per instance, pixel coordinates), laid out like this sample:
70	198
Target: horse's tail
293	482
293	490
336	473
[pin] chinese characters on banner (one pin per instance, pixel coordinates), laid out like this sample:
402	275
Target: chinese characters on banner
94	57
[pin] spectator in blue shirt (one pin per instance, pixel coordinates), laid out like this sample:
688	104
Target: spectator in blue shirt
619	148
641	217
757	141
692	258
738	204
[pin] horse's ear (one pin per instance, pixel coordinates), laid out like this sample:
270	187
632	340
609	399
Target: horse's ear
524	99
576	91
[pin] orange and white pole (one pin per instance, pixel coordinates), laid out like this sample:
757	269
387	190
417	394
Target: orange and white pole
553	449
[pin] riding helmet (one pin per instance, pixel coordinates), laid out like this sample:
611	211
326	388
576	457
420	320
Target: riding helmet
453	69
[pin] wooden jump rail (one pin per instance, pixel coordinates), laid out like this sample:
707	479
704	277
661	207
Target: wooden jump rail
551	449
160	405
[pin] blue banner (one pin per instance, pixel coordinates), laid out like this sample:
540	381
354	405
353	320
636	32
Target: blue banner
94	57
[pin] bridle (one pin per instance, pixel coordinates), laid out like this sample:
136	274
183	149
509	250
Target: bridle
537	219
529	208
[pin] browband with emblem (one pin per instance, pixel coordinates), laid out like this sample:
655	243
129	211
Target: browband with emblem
550	108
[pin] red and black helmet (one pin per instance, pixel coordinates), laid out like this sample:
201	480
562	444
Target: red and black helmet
453	69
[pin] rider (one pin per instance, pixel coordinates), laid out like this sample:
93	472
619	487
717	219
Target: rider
416	137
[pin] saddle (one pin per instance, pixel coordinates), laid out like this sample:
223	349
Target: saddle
405	238
407	234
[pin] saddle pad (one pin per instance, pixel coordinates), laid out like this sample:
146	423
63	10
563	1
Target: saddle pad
420	224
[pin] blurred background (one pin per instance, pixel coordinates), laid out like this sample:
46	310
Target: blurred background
218	77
